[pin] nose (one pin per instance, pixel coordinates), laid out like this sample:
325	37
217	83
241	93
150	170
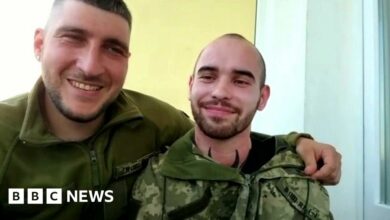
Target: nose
222	89
90	61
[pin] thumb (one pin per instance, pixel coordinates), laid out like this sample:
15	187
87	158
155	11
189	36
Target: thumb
310	168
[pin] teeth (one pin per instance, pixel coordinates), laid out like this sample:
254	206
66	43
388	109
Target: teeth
85	87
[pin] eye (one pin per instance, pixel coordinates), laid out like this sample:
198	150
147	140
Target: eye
72	38
116	50
241	83
206	77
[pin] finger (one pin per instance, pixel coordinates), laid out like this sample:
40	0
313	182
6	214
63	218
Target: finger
310	169
324	174
336	175
309	158
326	178
330	172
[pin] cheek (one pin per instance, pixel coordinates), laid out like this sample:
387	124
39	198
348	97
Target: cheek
198	92
56	59
116	68
250	99
193	95
118	73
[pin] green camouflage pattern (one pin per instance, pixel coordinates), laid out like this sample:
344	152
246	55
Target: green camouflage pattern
182	184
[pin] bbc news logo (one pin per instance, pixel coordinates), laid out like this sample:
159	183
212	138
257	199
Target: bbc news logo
55	196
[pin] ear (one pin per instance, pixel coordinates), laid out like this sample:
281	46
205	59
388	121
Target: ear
190	83
38	42
264	96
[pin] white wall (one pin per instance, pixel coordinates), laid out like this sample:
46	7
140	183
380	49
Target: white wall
18	20
281	38
334	93
330	107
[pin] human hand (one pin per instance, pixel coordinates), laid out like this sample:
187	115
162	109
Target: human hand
322	161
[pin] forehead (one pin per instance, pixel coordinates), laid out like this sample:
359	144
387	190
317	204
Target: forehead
228	54
89	18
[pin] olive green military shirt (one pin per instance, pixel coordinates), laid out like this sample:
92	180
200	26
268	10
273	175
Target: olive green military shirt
136	127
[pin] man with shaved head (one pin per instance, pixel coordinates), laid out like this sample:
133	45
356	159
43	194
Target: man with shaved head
220	169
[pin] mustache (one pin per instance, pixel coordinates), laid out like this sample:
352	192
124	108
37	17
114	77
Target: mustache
219	102
81	75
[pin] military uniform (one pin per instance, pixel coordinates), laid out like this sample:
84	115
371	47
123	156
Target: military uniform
136	127
184	184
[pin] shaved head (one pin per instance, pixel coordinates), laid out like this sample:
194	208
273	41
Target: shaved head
260	59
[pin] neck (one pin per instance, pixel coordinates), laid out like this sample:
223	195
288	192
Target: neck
64	128
224	151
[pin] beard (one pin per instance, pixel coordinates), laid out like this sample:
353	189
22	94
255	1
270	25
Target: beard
220	128
55	97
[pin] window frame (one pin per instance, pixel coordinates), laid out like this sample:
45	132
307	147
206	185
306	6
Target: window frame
374	126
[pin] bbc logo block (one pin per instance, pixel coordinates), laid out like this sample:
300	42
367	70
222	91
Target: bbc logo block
34	196
53	196
15	196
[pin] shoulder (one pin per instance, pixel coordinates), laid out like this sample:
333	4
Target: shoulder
171	122
148	104
290	190
13	108
306	196
155	109
286	197
12	113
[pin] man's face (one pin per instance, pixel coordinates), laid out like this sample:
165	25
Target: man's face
225	88
84	56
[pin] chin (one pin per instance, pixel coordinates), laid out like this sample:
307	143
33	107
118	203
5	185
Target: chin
82	116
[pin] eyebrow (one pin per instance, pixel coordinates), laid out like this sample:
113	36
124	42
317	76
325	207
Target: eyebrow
80	31
244	73
239	72
207	68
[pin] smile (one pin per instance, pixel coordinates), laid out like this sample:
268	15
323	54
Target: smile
84	86
219	109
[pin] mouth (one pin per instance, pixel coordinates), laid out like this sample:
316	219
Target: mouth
217	108
85	86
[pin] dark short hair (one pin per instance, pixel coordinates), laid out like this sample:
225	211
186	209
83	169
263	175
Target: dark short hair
118	7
